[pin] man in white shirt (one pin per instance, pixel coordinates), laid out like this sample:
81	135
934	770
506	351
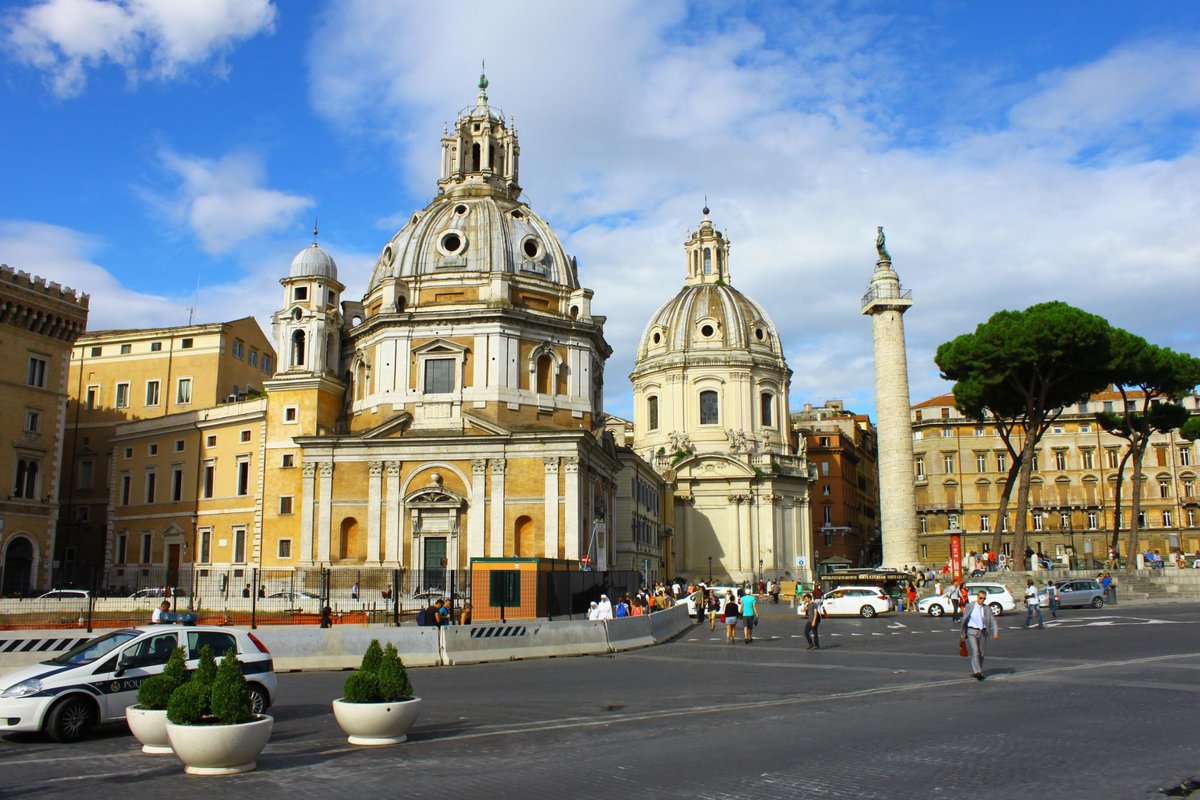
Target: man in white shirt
157	616
978	620
1032	603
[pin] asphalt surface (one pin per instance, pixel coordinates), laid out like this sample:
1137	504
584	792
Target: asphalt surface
1102	704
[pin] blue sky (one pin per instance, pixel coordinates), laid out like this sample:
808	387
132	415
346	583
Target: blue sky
1015	153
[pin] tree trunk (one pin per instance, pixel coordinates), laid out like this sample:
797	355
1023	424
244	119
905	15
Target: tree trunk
1135	507
1116	529
1023	501
1002	511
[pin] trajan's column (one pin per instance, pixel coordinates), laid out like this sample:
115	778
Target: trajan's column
886	304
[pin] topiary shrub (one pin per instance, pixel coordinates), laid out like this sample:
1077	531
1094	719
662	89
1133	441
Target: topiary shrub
206	670
371	658
189	703
393	677
381	678
361	687
230	699
155	692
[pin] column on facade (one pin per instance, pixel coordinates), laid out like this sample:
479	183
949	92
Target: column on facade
476	523
745	545
308	497
374	509
324	509
496	550
393	514
570	466
551	507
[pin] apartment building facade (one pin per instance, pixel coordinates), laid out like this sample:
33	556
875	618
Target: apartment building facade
961	465
119	376
39	321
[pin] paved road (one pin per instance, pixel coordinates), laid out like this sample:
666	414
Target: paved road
1103	704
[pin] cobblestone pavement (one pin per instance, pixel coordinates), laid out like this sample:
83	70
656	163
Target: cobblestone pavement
1100	704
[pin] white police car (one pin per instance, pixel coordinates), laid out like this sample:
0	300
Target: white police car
94	682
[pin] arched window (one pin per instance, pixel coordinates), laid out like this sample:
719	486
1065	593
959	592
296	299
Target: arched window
707	261
524	537
720	260
545	374
652	412
25	484
360	381
475	153
298	349
767	409
709	408
348	543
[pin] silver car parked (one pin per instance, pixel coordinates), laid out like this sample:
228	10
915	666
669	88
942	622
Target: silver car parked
1076	592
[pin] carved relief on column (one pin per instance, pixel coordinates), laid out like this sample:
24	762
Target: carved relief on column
550	492
392	511
477	510
496	549
374	509
308	472
324	510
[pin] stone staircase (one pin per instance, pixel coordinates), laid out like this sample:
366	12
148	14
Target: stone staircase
1133	585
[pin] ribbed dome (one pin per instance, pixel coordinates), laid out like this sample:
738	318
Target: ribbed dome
709	316
487	233
313	262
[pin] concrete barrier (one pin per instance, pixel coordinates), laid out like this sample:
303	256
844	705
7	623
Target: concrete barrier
666	625
22	648
298	647
474	644
628	633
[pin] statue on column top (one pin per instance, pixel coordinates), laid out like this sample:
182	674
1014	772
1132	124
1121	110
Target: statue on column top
881	244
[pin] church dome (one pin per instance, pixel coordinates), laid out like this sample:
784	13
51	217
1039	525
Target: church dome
459	234
313	262
708	314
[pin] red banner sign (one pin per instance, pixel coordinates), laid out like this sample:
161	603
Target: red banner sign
956	556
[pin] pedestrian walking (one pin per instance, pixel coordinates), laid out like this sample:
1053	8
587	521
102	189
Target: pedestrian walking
1052	598
912	597
749	604
354	591
1032	604
977	622
956	599
731	617
812	619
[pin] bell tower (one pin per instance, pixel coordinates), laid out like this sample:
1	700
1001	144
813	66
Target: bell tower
481	156
307	328
707	255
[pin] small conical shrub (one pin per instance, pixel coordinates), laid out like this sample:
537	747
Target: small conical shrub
371	658
206	670
230	699
189	703
393	677
361	687
155	692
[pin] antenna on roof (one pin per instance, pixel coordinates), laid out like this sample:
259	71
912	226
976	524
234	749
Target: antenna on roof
195	300
314	231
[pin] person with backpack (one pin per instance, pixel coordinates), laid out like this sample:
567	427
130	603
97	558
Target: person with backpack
812	619
749	604
1052	598
731	617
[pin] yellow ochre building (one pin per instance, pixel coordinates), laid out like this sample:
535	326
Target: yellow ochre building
453	412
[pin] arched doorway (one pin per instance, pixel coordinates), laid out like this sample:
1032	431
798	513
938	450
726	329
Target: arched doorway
18	566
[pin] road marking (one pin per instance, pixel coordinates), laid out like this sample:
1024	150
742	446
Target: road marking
566	723
897	625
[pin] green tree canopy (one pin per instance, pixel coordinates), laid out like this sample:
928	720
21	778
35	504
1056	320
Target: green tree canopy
1022	368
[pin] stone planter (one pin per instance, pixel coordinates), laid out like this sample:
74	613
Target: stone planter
376	723
220	749
149	726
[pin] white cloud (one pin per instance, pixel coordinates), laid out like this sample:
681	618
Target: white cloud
71	258
223	202
630	112
153	38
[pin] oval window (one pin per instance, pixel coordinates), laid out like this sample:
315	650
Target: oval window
532	248
657	337
451	243
460	209
758	334
706	330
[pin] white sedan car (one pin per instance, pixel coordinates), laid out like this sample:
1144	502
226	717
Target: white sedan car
998	597
855	601
95	682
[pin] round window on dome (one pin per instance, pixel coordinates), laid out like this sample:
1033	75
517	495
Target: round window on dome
452	243
707	330
656	338
532	248
460	209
